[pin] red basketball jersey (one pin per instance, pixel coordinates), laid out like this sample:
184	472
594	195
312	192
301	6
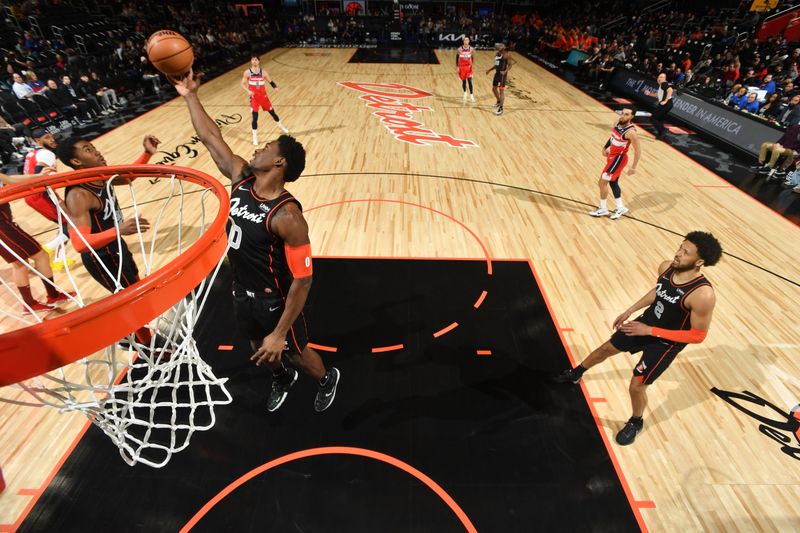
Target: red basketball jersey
619	145
465	56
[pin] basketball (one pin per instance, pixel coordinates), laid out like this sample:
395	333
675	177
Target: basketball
170	52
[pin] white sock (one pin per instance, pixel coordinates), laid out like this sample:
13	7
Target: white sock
619	203
603	204
57	242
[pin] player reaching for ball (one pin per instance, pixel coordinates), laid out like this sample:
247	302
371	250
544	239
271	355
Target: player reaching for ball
254	81
270	253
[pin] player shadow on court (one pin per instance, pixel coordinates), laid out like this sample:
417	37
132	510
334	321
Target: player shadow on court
493	400
546	200
663	405
656	201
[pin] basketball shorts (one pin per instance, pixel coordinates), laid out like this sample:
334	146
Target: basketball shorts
257	315
614	166
260	100
17	239
111	258
499	81
657	354
464	72
43	205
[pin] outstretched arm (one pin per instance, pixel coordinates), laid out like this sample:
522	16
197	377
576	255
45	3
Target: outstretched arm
227	162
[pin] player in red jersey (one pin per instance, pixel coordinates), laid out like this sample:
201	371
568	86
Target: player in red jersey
35	161
464	63
623	135
254	82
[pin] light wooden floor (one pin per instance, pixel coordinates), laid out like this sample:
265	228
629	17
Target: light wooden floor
703	464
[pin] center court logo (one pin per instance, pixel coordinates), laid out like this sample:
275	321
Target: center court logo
396	115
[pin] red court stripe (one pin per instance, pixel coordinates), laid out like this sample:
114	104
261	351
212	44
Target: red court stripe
225	347
484	352
645	504
617	468
597	400
27	492
478	303
442	331
322	348
713	186
566	329
335	450
392	348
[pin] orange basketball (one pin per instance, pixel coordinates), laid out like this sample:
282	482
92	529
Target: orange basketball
170	53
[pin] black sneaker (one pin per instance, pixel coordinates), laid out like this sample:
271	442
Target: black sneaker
280	389
499	111
763	169
326	394
567	376
629	431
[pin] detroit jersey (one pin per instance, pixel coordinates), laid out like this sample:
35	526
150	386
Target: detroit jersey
103	218
667	310
619	144
256	254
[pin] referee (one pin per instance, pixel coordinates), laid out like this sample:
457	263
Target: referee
663	105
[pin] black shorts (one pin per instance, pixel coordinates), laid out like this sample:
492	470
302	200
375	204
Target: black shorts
657	354
499	81
258	314
111	259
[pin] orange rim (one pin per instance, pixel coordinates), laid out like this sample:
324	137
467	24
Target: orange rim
40	348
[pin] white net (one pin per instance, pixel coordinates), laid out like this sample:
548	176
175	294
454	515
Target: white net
149	393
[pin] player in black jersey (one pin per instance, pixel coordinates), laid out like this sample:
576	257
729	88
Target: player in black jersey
94	210
270	253
678	312
502	64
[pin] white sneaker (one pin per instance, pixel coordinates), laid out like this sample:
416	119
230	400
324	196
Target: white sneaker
472	97
255	140
599	212
283	128
465	95
619	212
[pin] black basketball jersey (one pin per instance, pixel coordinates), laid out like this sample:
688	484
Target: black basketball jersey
667	310
256	254
103	217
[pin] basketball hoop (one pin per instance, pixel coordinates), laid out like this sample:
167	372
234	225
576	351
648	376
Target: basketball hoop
148	398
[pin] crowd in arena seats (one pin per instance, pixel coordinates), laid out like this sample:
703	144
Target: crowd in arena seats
700	47
53	80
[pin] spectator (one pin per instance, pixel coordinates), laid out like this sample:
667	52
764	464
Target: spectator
786	147
768	84
772	108
751	104
89	105
20	88
34	82
750	79
790	115
739	99
107	96
62	100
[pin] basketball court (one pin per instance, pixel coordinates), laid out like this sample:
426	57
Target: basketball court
456	270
